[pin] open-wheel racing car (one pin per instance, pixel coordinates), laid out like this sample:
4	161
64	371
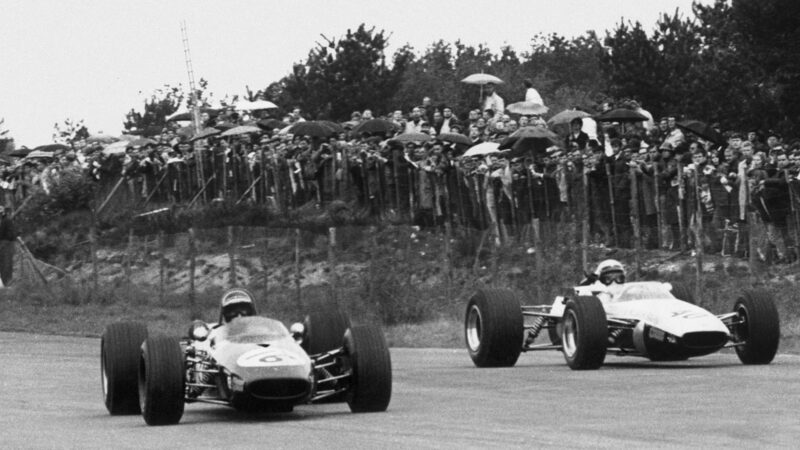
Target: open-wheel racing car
650	319
251	363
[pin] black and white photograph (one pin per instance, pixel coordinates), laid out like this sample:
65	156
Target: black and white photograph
369	224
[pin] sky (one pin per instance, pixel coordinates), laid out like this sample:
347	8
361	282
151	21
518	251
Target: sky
95	60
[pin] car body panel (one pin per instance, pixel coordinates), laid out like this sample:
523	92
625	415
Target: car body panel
258	351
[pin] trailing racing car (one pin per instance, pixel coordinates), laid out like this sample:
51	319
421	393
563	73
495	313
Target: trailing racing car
246	361
650	319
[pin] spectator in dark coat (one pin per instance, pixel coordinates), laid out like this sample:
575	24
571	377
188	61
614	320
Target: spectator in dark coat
8	237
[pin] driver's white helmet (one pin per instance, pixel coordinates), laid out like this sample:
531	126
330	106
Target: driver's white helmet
236	302
610	271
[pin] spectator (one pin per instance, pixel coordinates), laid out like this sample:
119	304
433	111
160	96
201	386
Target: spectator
8	238
531	94
493	101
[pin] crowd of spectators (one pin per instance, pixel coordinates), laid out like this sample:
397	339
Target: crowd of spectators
650	180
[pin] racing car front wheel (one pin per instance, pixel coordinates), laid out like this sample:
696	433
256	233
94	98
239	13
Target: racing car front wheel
161	380
494	328
759	330
371	369
585	333
119	359
324	327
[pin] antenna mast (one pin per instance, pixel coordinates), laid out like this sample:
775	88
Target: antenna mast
195	106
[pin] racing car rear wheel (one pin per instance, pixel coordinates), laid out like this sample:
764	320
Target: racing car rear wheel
585	333
119	358
682	291
759	330
494	328
324	329
371	365
161	380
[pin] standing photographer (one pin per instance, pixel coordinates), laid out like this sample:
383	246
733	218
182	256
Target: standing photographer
8	236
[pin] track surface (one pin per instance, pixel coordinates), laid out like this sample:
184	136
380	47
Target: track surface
51	398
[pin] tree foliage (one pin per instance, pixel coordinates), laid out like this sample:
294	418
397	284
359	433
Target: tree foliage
69	132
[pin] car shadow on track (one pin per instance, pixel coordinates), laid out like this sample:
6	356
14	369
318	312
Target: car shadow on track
666	365
225	414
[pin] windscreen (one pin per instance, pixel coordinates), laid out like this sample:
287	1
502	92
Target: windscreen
643	291
253	330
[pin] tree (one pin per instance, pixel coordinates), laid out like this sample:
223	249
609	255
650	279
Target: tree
162	103
341	76
70	132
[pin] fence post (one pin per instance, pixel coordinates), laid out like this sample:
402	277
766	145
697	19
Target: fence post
231	257
333	280
93	247
297	272
264	265
698	239
192	267
161	265
585	224
681	197
636	222
129	256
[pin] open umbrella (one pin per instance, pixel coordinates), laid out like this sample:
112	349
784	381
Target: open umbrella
565	117
127	137
374	126
101	139
481	78
52	148
311	128
241	129
703	130
333	126
270	124
455	138
526	139
484	148
141	142
255	105
39	154
117	148
527	108
20	152
187	115
205	133
412	137
620	115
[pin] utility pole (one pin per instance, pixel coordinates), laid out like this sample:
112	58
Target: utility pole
192	87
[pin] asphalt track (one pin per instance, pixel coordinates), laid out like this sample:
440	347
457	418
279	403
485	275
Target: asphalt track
51	398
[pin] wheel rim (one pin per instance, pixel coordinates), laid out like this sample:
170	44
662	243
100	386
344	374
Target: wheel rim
142	385
742	329
474	328
570	333
103	375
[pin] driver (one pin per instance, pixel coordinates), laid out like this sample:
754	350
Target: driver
610	271
236	302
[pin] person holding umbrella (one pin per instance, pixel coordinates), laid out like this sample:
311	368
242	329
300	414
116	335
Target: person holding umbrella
576	135
531	94
493	101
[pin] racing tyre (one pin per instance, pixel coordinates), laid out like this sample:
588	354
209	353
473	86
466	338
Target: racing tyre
493	328
161	380
119	361
759	330
683	291
585	333
371	365
324	328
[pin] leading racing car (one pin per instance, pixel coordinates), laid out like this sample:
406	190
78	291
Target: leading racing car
246	361
650	319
